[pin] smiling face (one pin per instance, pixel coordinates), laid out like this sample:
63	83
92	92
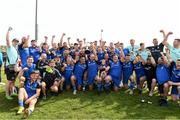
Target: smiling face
176	43
82	60
115	58
92	57
155	42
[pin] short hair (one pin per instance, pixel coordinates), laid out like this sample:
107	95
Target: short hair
141	44
30	57
177	39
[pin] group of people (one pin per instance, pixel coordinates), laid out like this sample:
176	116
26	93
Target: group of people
44	69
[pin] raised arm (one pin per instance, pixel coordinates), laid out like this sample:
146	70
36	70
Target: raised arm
8	43
68	39
26	41
122	53
165	60
165	37
52	40
45	39
61	40
168	56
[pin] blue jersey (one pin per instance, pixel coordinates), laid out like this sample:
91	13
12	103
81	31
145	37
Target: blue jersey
72	53
35	52
68	72
117	51
24	53
175	75
31	87
126	51
100	55
162	74
47	53
92	68
115	69
139	69
127	69
29	71
79	70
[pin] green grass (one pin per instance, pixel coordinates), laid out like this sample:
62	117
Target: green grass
90	106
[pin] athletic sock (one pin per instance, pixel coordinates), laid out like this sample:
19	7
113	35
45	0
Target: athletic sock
30	111
20	103
99	85
84	83
131	86
74	87
107	86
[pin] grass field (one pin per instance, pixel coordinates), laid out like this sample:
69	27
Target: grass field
89	105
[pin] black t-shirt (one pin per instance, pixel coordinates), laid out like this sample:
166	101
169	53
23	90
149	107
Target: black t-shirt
150	71
40	66
156	51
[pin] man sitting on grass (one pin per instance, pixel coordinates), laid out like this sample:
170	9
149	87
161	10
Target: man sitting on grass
29	93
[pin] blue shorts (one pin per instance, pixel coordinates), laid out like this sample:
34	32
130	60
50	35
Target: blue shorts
79	80
138	76
115	81
67	80
174	90
126	77
91	79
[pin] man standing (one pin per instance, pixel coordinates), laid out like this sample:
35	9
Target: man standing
133	49
12	57
156	49
175	49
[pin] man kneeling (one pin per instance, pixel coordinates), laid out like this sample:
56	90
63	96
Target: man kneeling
52	79
29	93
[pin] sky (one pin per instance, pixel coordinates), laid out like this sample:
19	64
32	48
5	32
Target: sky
121	20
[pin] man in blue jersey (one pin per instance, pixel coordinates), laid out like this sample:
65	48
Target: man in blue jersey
29	93
12	57
23	49
175	77
67	71
139	70
34	50
29	67
92	70
163	76
127	66
115	71
103	80
79	70
100	54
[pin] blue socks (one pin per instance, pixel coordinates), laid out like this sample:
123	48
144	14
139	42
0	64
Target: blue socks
99	86
107	86
131	85
20	103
